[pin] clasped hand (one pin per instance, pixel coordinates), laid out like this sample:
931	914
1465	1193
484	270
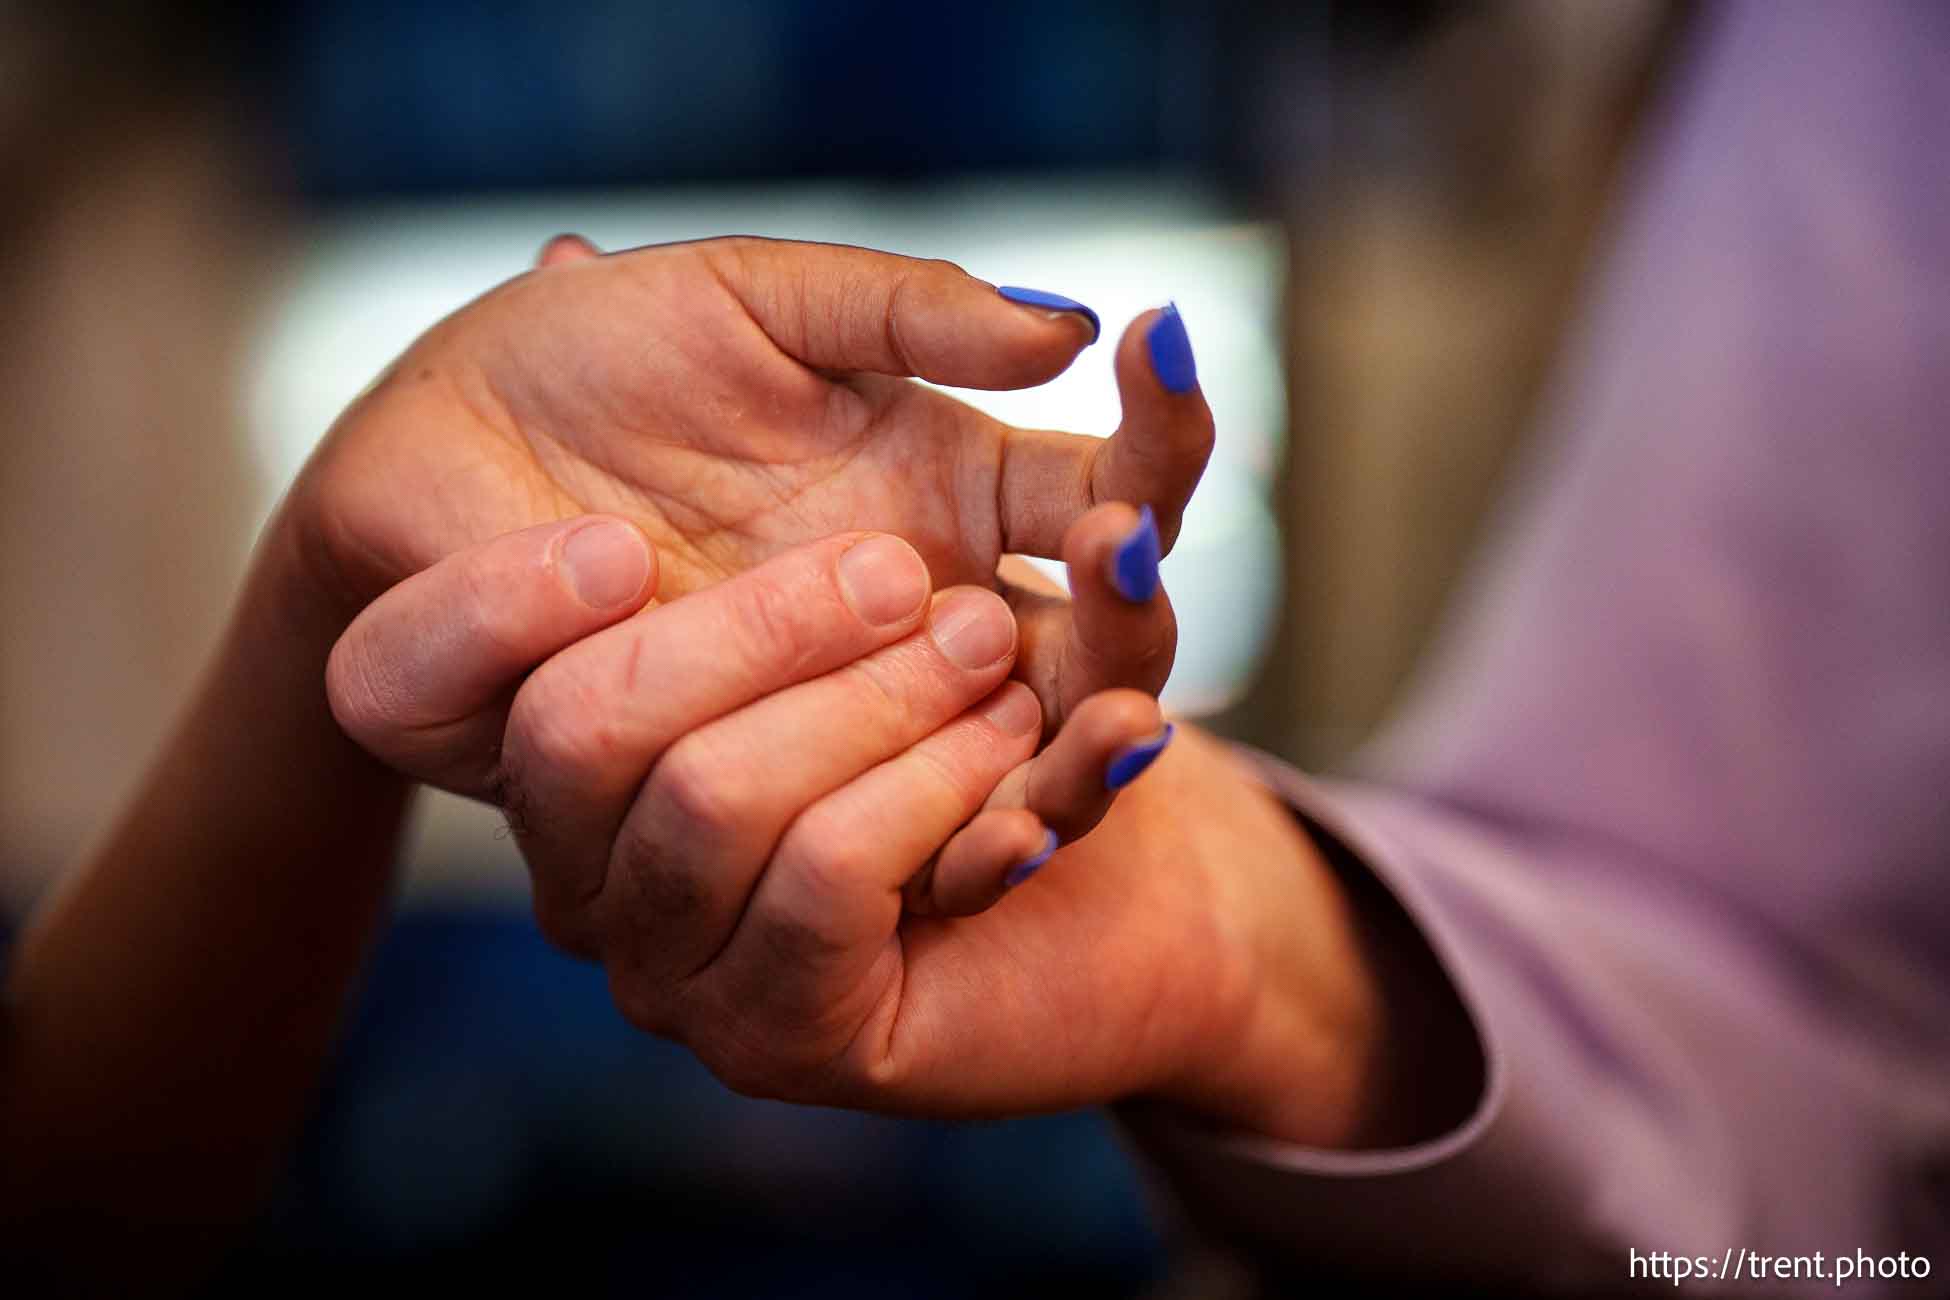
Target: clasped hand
665	553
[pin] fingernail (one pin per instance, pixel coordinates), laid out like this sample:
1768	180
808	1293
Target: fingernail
883	580
1129	763
1015	711
1051	302
973	628
1134	564
606	562
1030	866
1171	351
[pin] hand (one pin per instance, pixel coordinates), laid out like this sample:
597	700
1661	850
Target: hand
736	397
820	726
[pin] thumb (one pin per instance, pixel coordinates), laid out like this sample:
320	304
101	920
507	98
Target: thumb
423	677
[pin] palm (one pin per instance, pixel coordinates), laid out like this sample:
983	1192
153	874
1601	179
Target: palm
642	386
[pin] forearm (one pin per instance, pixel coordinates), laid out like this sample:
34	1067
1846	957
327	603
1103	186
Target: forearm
170	1006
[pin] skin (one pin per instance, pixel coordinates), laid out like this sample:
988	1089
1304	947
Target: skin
733	398
780	900
844	935
168	1009
757	903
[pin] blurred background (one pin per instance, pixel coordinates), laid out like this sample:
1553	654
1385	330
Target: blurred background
216	229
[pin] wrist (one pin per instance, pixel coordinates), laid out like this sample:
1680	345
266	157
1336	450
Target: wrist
1291	1046
1351	1036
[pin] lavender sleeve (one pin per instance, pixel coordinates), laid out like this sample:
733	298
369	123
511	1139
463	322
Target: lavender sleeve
1673	812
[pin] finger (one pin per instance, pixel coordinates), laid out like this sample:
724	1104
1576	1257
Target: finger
838	308
721	797
1155	457
998	850
827	905
423	676
1107	744
567	247
1116	628
586	726
1160	449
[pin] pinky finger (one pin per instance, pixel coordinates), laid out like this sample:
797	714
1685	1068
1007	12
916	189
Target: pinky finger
1054	798
1107	743
998	850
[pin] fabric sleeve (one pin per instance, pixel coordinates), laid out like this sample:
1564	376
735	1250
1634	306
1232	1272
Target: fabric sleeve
1669	808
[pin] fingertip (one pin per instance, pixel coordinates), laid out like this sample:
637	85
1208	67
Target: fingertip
1168	347
1118	546
1134	560
973	628
1120	628
999	849
566	247
1068	785
1167	434
607	562
1091	541
1030	865
963	331
1056	307
1112	719
884	580
1130	762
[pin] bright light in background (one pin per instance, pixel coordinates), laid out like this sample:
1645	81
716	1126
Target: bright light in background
371	279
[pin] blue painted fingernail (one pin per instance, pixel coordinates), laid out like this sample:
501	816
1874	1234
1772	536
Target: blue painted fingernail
1131	761
1030	866
1051	302
1171	351
1134	564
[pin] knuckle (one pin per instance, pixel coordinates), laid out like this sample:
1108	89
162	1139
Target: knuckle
825	855
795	920
656	886
889	688
753	1057
953	773
771	624
740	1048
562	927
558	725
744	1071
692	783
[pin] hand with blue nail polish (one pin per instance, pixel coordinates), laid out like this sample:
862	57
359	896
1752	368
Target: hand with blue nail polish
734	398
794	794
825	845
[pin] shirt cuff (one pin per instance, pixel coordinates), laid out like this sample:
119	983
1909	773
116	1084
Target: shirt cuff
1239	1184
